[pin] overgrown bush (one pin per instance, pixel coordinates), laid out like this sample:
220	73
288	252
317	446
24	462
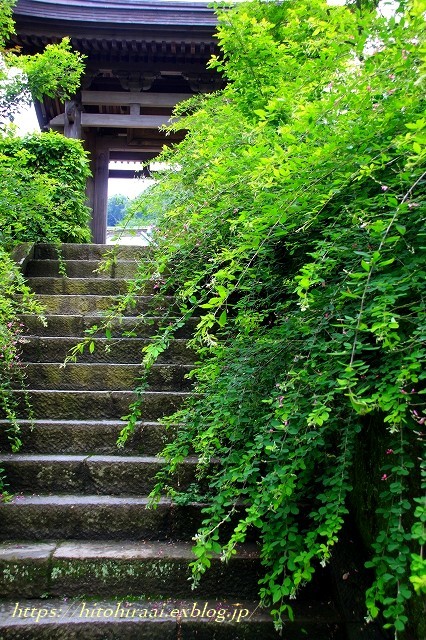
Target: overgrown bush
42	179
296	229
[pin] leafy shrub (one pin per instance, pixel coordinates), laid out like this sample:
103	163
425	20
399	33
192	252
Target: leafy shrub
42	198
295	227
42	180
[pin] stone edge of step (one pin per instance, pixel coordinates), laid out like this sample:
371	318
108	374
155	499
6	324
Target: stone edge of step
109	550
23	458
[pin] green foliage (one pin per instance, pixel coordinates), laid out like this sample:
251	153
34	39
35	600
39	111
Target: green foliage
56	73
6	21
145	209
295	229
128	213
42	196
117	208
296	226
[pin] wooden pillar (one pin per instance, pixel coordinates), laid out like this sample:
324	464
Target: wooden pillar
72	129
100	195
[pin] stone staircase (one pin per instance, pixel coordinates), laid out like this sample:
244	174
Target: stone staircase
80	554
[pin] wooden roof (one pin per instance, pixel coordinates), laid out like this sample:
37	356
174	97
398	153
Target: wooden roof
116	19
118	11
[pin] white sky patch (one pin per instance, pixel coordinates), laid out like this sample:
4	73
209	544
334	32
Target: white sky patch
128	187
387	8
26	120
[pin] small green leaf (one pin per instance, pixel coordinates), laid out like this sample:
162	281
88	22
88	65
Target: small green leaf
222	319
366	265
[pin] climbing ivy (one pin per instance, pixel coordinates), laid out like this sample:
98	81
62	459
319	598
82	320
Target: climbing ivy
294	231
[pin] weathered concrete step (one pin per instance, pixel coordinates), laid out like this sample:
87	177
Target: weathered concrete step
96	517
72	251
77	437
101	568
95	405
64	619
119	350
78	286
85	304
106	475
81	269
75	325
102	517
95	376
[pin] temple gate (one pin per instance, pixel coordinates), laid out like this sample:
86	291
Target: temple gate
142	59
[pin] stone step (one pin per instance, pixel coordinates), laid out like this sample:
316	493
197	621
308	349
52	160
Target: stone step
80	269
76	325
96	405
89	474
92	304
79	286
96	517
159	569
77	437
95	376
70	251
171	619
103	517
119	350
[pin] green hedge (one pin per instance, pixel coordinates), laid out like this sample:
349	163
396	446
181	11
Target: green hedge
42	189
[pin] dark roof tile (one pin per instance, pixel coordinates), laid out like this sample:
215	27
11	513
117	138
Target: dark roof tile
148	12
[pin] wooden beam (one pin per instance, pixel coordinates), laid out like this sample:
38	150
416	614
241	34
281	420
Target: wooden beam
134	156
113	121
129	173
144	99
166	67
118	143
